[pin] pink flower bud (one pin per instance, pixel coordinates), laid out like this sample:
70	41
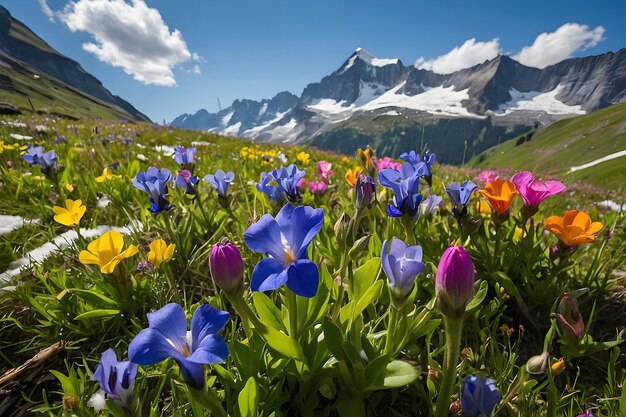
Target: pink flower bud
226	266
570	320
455	281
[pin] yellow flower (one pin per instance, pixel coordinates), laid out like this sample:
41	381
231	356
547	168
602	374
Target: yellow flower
483	207
366	157
69	187
558	366
519	232
345	159
106	252
303	157
160	252
71	215
107	174
352	175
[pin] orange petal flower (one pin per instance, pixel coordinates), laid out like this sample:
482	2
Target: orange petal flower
574	228
352	175
500	194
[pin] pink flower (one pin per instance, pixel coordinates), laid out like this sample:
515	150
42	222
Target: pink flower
532	191
318	188
324	168
301	185
386	163
487	176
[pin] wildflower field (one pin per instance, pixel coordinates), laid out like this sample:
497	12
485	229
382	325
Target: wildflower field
148	271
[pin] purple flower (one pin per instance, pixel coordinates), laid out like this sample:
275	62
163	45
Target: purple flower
402	264
454	283
460	195
479	396
116	378
405	185
145	266
185	180
421	164
167	337
154	182
220	181
324	169
184	156
587	413
364	192
286	240
532	191
226	266
35	156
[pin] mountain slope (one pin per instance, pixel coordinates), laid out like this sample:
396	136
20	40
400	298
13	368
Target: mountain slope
381	102
566	147
29	67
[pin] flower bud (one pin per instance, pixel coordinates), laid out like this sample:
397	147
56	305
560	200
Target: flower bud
226	266
558	366
569	319
359	246
454	284
537	364
364	190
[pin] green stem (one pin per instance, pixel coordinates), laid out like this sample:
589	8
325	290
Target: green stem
391	326
208	401
292	308
453	328
552	398
339	301
246	315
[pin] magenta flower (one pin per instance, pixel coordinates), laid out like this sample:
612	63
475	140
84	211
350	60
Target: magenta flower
532	191
454	282
487	175
226	266
318	188
385	163
324	168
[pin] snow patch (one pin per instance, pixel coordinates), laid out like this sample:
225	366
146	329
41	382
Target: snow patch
539	102
612	205
369	59
166	149
11	223
17	136
599	161
232	130
60	242
263	109
328	105
226	118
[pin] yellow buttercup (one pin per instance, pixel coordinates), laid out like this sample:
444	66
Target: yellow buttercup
71	214
106	252
160	252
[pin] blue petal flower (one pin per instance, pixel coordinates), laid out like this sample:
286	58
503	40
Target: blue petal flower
402	264
479	396
286	239
220	181
116	378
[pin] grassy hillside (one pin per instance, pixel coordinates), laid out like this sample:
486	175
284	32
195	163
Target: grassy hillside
569	143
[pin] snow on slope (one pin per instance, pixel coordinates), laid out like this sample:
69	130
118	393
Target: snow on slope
369	59
536	101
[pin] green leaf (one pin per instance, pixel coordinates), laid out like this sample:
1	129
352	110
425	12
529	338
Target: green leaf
93	297
364	277
370	297
479	297
622	401
94	314
248	399
269	313
280	342
507	283
384	373
334	339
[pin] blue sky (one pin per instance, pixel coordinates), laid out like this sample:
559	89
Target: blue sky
254	49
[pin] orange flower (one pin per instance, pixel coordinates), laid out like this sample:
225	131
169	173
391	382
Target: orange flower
352	175
500	194
574	228
366	156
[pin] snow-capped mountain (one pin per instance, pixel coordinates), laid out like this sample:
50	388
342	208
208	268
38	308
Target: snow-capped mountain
382	102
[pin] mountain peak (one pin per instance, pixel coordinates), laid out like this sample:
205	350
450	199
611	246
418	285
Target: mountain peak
369	59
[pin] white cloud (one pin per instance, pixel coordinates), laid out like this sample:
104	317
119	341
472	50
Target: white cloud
196	70
550	48
128	35
467	55
47	10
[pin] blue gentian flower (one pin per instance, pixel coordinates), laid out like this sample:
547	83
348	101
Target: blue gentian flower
479	395
220	181
154	182
184	156
460	195
402	264
271	191
287	180
405	185
421	164
35	156
286	240
431	204
116	378
186	180
167	337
